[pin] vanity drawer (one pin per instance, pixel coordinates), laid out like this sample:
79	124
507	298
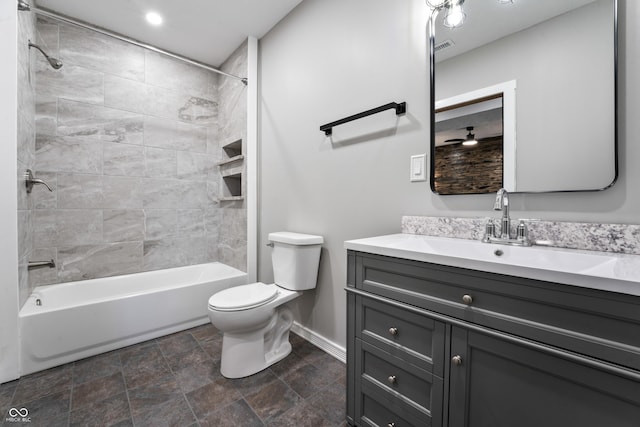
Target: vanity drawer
398	378
414	338
597	323
375	408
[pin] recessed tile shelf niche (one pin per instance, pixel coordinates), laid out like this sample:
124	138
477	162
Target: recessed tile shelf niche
231	170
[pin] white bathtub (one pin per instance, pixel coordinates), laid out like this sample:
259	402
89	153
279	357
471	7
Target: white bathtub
79	319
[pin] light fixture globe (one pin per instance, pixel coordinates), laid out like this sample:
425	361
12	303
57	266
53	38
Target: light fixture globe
454	17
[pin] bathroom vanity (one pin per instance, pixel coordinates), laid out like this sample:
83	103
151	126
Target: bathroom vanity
452	332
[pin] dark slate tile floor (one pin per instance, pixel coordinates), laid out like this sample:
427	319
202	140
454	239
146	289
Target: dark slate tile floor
175	381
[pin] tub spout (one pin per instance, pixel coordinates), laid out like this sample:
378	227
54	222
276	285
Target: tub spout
40	264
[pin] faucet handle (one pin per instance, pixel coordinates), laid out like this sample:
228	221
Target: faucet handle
489	231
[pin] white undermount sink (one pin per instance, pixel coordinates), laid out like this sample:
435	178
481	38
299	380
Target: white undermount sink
591	269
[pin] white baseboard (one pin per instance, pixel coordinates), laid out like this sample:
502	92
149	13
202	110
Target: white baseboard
332	348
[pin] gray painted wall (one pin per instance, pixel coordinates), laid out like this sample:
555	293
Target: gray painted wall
332	58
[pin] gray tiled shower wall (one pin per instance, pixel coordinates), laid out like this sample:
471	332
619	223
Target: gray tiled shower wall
129	141
26	146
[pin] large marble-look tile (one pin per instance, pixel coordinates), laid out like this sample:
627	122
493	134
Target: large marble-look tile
92	50
194	194
25	233
123	159
167	253
26	139
194	166
169	73
160	163
67	227
161	194
80	192
123	225
141	98
68	154
174	135
48	32
106	124
70	82
196	110
191	222
46	110
97	192
122	192
173	194
160	223
103	260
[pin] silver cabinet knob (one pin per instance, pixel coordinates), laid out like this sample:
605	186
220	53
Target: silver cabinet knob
391	425
392	379
456	360
393	331
467	299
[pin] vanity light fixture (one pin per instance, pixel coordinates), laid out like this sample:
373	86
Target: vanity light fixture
455	15
154	18
437	4
471	138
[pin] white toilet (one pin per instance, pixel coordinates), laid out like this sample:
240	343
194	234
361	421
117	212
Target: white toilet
253	318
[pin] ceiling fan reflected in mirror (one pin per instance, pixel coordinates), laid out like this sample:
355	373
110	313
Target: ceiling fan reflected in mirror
469	140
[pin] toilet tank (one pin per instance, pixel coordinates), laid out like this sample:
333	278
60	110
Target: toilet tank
295	258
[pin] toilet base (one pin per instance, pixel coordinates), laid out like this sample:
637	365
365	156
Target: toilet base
245	354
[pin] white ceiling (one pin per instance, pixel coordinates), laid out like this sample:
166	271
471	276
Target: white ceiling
205	30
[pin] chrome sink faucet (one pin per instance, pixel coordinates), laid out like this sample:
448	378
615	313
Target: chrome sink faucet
502	203
490	236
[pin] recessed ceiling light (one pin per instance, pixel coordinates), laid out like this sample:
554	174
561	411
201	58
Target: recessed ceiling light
154	18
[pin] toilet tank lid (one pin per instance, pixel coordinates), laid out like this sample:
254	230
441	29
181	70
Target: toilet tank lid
295	238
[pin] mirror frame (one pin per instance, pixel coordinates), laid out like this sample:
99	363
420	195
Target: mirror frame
432	113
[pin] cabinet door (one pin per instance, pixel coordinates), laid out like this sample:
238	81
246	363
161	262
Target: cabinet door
499	383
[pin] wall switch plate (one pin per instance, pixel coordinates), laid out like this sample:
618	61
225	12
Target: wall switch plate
418	167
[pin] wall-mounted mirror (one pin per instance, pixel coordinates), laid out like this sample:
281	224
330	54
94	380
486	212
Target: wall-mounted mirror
533	83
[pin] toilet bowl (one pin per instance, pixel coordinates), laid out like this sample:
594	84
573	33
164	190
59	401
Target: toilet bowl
253	318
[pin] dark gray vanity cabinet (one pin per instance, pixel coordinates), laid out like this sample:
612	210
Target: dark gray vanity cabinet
432	345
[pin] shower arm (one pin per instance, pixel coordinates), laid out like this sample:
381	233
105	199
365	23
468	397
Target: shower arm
39	48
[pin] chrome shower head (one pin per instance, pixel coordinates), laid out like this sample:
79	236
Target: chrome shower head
23	6
54	62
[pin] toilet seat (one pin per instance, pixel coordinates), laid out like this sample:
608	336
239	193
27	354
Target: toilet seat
243	297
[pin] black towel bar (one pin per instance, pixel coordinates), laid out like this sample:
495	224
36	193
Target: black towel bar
400	107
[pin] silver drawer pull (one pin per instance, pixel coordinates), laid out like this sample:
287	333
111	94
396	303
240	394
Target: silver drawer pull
467	299
393	331
392	379
457	360
391	425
